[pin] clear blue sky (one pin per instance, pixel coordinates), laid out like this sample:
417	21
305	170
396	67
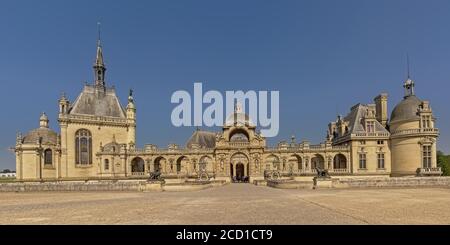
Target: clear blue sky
323	57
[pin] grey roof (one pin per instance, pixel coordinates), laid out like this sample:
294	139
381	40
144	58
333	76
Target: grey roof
112	147
355	120
204	139
48	136
407	109
98	101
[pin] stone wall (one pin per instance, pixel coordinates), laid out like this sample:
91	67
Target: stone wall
72	186
130	185
392	182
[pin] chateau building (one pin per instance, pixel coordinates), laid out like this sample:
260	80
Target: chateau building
97	140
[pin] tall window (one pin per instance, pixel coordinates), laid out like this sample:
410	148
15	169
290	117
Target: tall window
426	153
370	127
48	157
380	160
362	161
106	164
426	121
83	147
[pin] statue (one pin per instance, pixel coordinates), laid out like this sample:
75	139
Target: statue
155	175
322	173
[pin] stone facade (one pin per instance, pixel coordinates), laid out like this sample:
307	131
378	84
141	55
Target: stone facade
97	141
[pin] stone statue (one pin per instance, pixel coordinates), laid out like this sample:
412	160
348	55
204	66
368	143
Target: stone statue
322	173
155	175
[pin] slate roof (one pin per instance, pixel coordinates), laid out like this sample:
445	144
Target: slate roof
98	101
48	136
355	120
204	139
407	109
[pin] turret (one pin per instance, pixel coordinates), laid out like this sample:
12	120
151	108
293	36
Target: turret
131	119
43	121
63	104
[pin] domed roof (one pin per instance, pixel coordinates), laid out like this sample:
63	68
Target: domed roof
48	136
204	139
407	109
43	117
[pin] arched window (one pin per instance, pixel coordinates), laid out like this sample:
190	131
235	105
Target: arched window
48	157
83	147
106	164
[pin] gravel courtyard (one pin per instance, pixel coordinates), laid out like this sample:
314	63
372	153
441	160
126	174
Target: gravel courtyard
230	204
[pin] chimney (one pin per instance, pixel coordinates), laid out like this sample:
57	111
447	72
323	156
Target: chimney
381	108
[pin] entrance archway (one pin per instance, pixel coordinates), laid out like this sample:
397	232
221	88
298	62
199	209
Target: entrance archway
137	166
239	168
240	174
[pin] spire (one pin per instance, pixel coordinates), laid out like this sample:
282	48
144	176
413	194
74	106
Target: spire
99	65
409	83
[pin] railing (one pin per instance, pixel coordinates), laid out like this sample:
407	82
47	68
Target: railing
239	144
137	173
339	170
315	147
340	147
429	170
365	134
416	131
95	118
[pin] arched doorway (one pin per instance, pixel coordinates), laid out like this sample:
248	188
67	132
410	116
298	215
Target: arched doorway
239	168
240	173
138	166
182	161
318	161
158	164
340	162
295	163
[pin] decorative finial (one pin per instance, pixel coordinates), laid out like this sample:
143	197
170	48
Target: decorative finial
409	83
407	66
130	96
99	33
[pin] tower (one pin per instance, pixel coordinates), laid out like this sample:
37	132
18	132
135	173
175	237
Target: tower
413	135
131	120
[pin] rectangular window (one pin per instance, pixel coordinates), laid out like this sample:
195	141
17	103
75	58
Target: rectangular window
380	160
426	121
380	142
426	154
371	127
362	142
362	161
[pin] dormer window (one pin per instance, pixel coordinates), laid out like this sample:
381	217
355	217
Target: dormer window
370	127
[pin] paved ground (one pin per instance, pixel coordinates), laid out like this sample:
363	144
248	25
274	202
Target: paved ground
230	204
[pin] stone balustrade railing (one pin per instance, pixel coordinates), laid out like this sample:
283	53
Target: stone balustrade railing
416	131
365	134
95	118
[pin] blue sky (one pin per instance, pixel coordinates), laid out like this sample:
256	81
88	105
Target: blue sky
323	57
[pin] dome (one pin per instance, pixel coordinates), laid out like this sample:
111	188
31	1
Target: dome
406	109
204	139
43	117
112	147
48	136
